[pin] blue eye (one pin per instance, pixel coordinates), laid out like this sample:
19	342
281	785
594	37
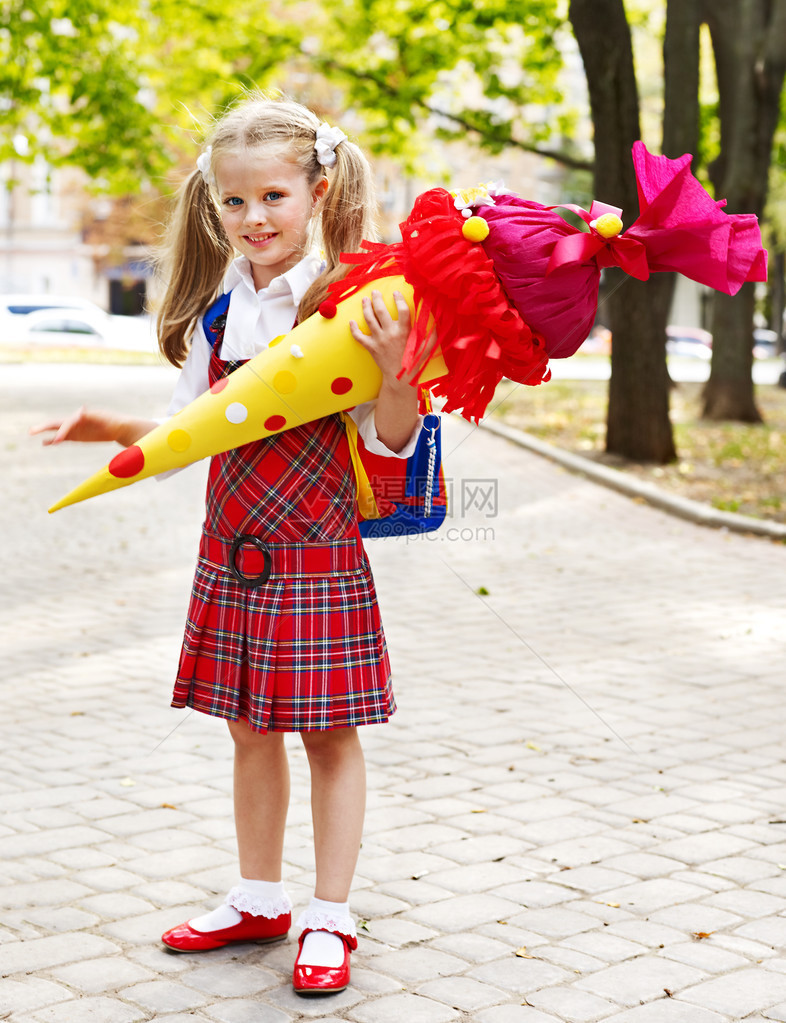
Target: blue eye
233	201
273	196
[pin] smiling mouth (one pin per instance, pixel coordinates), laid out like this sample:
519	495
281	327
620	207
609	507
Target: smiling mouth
258	239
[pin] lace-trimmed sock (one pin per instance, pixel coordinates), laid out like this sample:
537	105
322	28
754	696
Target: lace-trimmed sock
260	898
323	948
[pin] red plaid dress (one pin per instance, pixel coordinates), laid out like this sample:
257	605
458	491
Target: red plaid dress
305	650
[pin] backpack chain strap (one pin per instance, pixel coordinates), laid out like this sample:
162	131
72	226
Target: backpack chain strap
432	456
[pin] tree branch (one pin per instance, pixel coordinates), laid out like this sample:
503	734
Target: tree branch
460	120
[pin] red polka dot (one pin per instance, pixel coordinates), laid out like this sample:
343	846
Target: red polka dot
328	309
341	385
128	463
274	423
219	385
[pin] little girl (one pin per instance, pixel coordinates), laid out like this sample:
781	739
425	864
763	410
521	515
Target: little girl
283	631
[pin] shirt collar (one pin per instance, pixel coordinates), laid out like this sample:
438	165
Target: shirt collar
298	279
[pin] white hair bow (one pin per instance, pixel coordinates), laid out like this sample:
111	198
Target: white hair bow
203	164
325	146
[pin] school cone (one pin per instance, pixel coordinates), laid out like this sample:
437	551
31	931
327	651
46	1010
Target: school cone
315	370
508	284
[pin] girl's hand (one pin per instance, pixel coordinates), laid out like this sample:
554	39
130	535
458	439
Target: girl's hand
387	337
396	411
93	425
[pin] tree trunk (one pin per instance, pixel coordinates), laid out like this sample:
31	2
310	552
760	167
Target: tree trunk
681	77
638	425
732	363
680	100
777	276
749	42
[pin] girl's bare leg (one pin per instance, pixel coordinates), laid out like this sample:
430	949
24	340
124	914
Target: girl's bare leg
261	788
338	805
261	803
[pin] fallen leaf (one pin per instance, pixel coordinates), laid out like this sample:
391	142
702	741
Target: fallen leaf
168	806
363	925
482	591
532	745
479	811
522	953
698	935
77	713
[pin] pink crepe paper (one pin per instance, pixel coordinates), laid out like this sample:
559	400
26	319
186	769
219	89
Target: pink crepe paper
550	269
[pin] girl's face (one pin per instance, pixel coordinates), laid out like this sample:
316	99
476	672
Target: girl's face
266	205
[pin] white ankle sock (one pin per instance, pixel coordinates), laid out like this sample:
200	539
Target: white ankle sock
262	898
322	948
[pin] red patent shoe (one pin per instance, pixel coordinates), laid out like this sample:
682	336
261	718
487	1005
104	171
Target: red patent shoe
326	980
184	938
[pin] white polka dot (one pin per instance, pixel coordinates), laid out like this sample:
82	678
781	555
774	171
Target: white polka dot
236	413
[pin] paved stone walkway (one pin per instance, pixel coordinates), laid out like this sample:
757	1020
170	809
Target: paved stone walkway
578	813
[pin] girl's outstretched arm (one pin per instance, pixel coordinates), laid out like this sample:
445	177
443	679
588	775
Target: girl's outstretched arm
396	411
94	425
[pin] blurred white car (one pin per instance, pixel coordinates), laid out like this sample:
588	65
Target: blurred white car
765	343
692	342
13	305
61	327
81	328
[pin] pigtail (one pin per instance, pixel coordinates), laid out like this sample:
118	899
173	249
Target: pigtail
347	218
193	262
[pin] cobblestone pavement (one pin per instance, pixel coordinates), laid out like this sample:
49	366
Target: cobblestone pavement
577	813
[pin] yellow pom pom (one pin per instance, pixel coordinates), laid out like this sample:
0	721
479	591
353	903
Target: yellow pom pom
607	226
475	229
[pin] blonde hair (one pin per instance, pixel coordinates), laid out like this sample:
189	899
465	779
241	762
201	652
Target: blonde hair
198	252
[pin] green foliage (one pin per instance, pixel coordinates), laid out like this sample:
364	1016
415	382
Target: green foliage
481	68
109	86
122	90
70	87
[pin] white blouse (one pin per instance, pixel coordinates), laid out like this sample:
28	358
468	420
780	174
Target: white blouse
254	319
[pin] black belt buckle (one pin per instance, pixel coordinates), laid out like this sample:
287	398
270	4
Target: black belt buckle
250	582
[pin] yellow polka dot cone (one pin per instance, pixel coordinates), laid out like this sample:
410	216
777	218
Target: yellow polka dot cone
315	370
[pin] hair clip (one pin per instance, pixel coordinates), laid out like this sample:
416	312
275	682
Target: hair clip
325	146
203	164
